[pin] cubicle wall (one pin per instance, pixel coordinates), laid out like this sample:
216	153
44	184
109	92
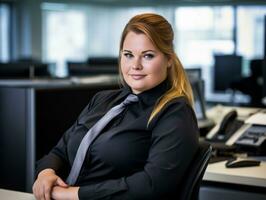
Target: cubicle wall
32	119
12	138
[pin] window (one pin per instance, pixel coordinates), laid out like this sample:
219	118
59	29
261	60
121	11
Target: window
73	33
4	32
105	32
65	35
202	32
250	31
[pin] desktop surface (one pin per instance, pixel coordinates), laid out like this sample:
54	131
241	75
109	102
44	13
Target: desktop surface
252	176
14	195
219	182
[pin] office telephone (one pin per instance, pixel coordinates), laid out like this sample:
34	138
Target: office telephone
224	130
246	136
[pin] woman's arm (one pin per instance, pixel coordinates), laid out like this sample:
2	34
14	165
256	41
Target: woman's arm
45	182
53	168
65	193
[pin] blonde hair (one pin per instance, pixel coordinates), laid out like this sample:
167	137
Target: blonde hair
160	32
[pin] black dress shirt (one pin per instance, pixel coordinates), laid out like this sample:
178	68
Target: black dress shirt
130	160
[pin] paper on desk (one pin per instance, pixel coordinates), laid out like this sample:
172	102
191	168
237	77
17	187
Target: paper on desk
258	118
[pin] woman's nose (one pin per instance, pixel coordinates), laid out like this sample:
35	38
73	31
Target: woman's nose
137	64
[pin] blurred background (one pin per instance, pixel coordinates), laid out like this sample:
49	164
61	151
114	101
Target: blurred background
225	39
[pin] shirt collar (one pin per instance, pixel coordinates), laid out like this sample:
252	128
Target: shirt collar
149	97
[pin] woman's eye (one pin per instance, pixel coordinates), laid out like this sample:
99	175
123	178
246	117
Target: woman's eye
128	55
149	56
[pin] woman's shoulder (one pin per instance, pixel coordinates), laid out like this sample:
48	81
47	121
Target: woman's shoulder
100	98
178	103
176	108
107	94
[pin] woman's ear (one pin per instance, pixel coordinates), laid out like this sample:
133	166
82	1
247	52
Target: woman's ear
169	63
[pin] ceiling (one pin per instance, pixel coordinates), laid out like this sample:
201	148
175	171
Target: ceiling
164	2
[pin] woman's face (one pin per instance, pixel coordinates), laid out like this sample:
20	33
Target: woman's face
143	66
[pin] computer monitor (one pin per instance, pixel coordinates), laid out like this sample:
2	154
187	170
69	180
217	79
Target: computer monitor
96	67
197	84
227	69
17	70
103	61
199	100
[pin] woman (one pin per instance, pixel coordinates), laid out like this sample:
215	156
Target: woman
143	153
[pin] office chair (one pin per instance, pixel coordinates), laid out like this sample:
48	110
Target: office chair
190	187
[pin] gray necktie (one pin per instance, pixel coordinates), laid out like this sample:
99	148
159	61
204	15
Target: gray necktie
92	134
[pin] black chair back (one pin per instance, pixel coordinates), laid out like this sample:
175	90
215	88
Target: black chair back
191	185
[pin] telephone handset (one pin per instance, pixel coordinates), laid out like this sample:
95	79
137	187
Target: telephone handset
224	130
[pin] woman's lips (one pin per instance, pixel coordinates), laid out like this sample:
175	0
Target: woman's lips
137	76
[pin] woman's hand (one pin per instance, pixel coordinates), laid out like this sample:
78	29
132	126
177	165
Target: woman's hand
46	180
62	193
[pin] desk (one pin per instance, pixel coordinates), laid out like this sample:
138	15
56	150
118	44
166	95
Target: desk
14	195
217	112
222	183
252	176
